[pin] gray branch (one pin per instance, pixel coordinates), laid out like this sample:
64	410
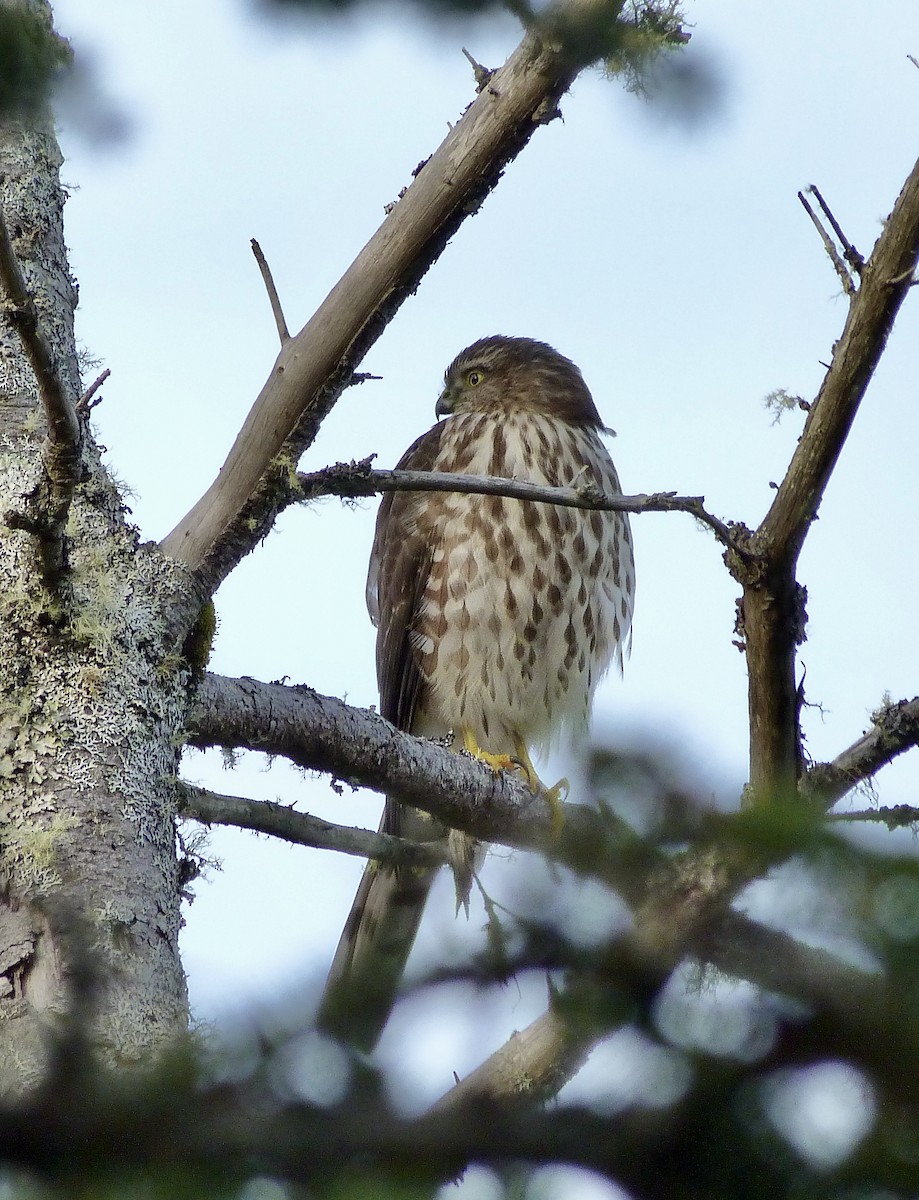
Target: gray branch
357	746
360	479
773	615
303	829
680	903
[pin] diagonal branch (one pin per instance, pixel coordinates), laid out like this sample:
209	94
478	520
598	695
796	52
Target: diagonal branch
359	479
537	1061
62	449
894	729
314	366
852	256
303	829
773	616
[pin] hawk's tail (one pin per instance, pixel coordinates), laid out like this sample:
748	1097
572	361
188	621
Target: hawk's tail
372	952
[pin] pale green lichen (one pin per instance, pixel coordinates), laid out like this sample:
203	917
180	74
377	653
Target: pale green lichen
31	843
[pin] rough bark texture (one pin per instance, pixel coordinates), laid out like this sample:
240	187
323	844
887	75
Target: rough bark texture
92	702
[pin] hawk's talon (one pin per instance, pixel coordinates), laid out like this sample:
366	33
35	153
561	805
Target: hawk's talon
555	797
497	762
534	783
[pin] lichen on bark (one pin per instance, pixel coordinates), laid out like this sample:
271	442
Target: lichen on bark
93	700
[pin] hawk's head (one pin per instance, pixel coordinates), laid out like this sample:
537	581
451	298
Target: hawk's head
496	374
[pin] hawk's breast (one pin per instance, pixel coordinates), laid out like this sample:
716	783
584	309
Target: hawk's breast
525	605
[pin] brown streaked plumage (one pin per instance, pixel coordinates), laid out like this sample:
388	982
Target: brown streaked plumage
496	618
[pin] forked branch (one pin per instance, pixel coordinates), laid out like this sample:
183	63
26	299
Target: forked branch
886	281
773	610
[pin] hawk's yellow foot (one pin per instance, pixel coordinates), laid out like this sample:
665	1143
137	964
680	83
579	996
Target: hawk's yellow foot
553	796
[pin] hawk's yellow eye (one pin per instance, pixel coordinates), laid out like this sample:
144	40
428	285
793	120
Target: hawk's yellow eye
474	378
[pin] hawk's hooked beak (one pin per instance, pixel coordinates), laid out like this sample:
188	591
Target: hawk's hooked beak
444	405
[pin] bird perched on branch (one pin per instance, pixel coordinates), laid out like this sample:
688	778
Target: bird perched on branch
496	620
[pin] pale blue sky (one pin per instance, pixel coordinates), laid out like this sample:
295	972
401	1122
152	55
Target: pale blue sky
674	265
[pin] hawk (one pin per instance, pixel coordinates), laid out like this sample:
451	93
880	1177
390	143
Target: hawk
496	620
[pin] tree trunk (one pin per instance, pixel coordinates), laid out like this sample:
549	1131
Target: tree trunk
93	695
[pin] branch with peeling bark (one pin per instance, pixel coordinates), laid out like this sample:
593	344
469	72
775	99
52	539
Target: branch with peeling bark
357	746
63	445
316	364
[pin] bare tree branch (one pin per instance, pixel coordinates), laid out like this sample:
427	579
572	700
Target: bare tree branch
680	902
773	617
359	479
536	1063
894	729
88	401
533	1065
318	362
851	255
278	820
62	449
885	284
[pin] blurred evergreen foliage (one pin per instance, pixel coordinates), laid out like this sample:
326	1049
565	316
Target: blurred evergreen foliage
32	57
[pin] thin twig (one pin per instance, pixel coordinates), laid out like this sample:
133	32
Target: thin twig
848	285
86	403
914	61
482	74
851	255
62	448
273	297
355	479
303	829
